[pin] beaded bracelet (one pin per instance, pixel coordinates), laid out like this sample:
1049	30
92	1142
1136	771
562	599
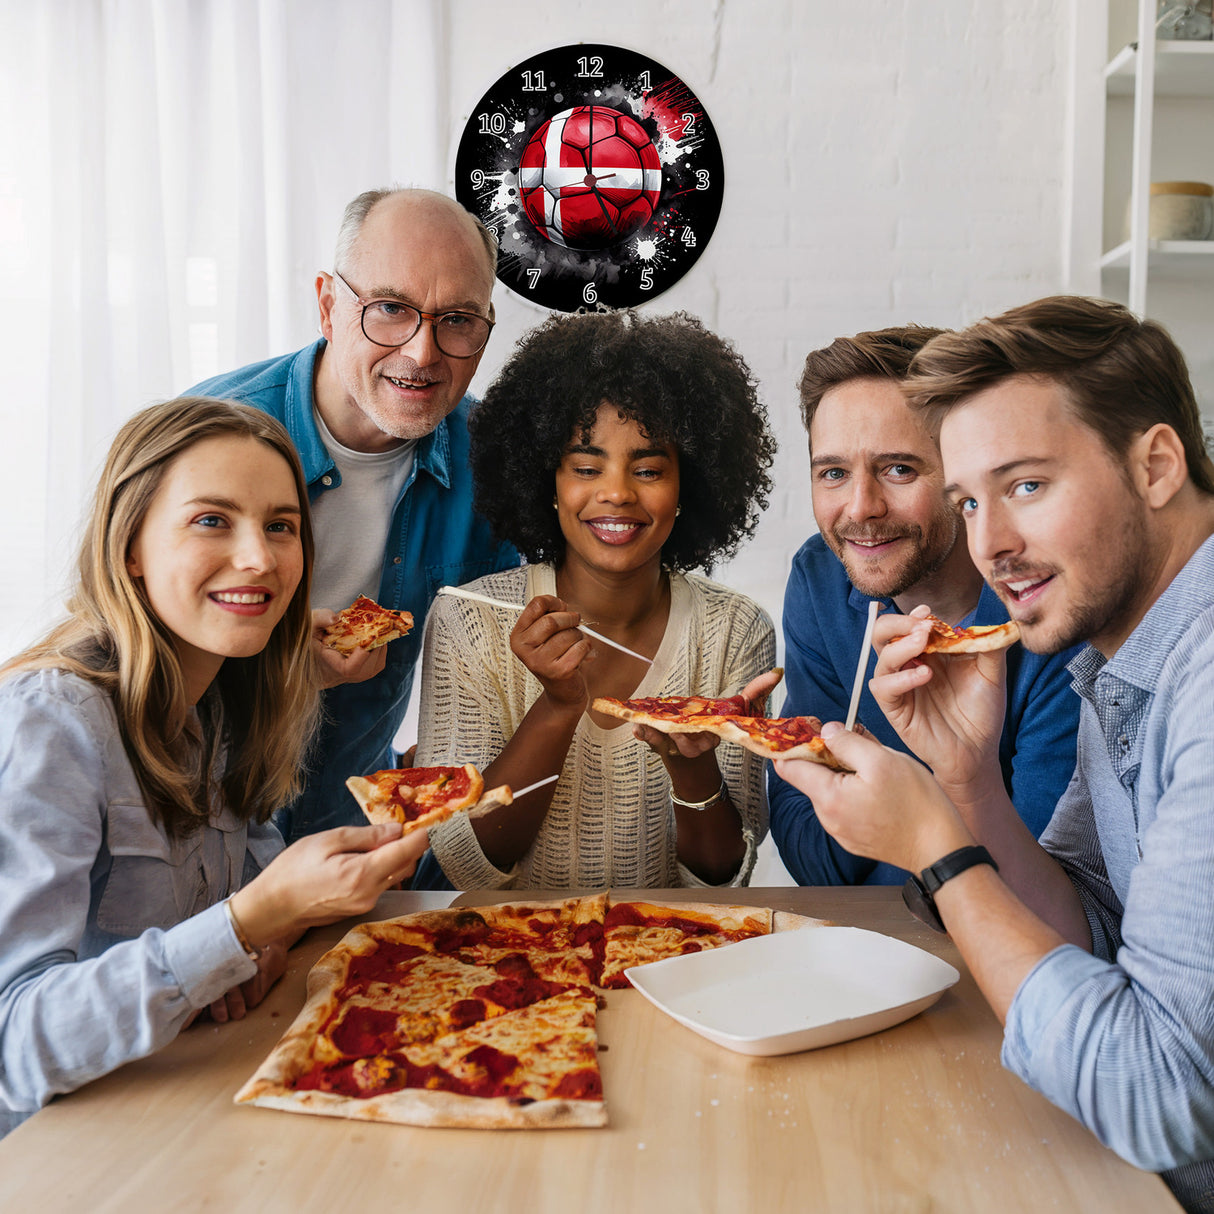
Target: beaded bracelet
706	804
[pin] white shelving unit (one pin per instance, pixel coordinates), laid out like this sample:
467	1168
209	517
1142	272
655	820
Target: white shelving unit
1142	110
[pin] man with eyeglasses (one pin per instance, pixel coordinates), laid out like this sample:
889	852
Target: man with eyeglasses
378	409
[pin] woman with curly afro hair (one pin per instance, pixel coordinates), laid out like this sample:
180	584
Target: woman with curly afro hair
617	452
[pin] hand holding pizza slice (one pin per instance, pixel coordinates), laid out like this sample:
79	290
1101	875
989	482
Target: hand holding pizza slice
770	737
949	713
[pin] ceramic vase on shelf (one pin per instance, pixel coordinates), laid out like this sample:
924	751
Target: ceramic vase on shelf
1180	210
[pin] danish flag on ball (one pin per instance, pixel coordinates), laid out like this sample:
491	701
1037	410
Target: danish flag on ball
589	177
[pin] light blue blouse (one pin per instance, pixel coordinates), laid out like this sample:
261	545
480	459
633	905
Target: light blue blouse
1123	1037
112	932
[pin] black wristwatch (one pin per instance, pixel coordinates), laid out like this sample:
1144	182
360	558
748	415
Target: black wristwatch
919	892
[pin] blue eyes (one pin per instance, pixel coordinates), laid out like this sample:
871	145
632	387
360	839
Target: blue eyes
215	522
897	472
966	506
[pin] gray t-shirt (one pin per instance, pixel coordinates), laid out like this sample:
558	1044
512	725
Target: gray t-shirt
351	520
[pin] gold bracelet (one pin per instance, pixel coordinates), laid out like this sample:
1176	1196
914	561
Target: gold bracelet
253	954
719	795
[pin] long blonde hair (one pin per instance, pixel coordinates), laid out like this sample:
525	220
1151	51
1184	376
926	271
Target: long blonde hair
260	712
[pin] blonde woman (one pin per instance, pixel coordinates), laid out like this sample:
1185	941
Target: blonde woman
143	745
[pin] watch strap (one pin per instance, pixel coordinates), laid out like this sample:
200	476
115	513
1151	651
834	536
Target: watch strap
955	863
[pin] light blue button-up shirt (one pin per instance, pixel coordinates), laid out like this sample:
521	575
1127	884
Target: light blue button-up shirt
111	933
435	539
1123	1037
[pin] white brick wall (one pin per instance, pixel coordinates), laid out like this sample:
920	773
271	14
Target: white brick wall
886	161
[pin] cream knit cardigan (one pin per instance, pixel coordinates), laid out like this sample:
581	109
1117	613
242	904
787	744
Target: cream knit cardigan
610	821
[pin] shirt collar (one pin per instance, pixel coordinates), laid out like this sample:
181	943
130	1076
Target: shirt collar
434	454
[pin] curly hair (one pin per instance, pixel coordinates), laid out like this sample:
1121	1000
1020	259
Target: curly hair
680	383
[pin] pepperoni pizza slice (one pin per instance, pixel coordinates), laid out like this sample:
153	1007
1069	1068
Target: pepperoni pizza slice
420	797
673	714
978	638
366	625
636	933
781	738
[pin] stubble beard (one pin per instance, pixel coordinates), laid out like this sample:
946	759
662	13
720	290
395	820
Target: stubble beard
1111	596
930	551
394	417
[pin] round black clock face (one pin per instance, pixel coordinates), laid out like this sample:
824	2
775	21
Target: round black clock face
598	171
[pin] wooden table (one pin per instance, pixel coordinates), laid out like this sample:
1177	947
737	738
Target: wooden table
919	1117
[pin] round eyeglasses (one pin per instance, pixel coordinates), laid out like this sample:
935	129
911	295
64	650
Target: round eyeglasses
392	323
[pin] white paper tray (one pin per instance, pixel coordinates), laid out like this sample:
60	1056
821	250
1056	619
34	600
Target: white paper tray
796	990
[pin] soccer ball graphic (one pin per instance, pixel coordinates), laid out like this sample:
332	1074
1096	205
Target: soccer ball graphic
589	177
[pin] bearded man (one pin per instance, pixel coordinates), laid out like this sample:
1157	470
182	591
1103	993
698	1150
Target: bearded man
1075	455
886	532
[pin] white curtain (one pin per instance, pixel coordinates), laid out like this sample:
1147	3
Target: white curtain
172	173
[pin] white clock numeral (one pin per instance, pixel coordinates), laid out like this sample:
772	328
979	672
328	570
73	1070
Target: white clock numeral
646	83
590	67
646	278
493	124
533	82
702	179
589	294
689	124
688	238
533	276
478	179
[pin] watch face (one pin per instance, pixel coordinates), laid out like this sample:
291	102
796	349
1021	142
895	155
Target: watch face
598	171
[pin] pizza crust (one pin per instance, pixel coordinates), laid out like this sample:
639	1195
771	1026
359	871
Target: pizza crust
978	638
982	638
815	750
727	729
419	1107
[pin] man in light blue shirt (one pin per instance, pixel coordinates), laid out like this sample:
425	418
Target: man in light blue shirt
1073	449
378	412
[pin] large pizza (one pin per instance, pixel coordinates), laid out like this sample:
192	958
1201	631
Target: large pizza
482	1017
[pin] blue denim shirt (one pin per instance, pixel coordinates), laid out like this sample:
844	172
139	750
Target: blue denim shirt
111	935
1123	1038
824	622
436	539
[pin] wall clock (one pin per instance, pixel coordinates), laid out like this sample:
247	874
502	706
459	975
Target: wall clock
598	171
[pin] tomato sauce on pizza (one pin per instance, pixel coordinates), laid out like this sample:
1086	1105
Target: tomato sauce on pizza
366	625
479	1018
